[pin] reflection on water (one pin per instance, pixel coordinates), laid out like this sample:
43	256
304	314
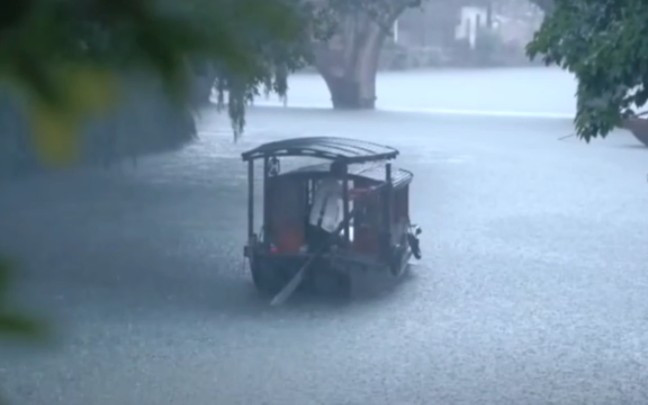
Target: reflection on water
540	92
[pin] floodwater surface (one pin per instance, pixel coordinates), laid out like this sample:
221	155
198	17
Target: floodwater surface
532	288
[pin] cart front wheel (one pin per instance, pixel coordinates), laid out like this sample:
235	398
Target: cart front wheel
415	246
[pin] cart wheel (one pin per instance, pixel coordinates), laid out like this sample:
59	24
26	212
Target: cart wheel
397	266
266	280
333	284
415	246
344	285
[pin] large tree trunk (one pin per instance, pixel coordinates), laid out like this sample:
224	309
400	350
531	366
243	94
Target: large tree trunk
639	128
349	63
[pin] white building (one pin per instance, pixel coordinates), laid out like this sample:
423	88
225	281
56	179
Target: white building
470	20
513	30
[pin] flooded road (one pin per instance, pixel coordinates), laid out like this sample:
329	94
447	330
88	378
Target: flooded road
532	288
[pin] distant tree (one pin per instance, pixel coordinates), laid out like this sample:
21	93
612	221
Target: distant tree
604	43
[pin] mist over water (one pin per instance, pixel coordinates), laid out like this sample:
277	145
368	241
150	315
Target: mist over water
528	91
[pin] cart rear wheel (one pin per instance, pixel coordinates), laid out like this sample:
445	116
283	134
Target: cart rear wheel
266	279
398	269
345	285
333	284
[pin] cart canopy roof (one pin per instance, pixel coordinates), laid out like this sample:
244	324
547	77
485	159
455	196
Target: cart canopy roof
368	171
343	150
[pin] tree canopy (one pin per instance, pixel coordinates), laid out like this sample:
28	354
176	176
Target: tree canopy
65	60
63	54
65	57
604	43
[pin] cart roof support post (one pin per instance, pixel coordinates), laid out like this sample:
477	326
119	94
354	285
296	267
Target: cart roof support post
387	204
266	195
250	200
345	203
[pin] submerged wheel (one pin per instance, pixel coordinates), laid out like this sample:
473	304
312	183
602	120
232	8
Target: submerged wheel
266	279
344	285
415	245
398	265
333	283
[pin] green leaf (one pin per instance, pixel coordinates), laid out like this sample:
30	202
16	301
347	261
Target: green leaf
20	326
605	44
13	324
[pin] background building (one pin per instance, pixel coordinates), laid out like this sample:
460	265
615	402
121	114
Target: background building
470	33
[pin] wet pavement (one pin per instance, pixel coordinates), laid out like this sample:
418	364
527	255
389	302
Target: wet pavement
532	289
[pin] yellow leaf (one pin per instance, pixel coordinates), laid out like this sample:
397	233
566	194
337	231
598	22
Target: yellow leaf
91	89
55	134
88	90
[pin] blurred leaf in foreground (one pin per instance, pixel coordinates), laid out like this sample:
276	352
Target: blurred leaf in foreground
247	44
56	127
13	324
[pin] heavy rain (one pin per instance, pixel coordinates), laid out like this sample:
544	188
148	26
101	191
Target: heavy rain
531	288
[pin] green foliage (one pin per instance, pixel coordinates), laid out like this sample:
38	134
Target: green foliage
250	46
604	43
67	59
48	43
267	41
13	324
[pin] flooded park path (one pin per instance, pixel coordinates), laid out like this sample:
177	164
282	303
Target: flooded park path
532	288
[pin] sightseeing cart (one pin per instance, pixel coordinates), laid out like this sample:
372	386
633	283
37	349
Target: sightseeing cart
322	222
